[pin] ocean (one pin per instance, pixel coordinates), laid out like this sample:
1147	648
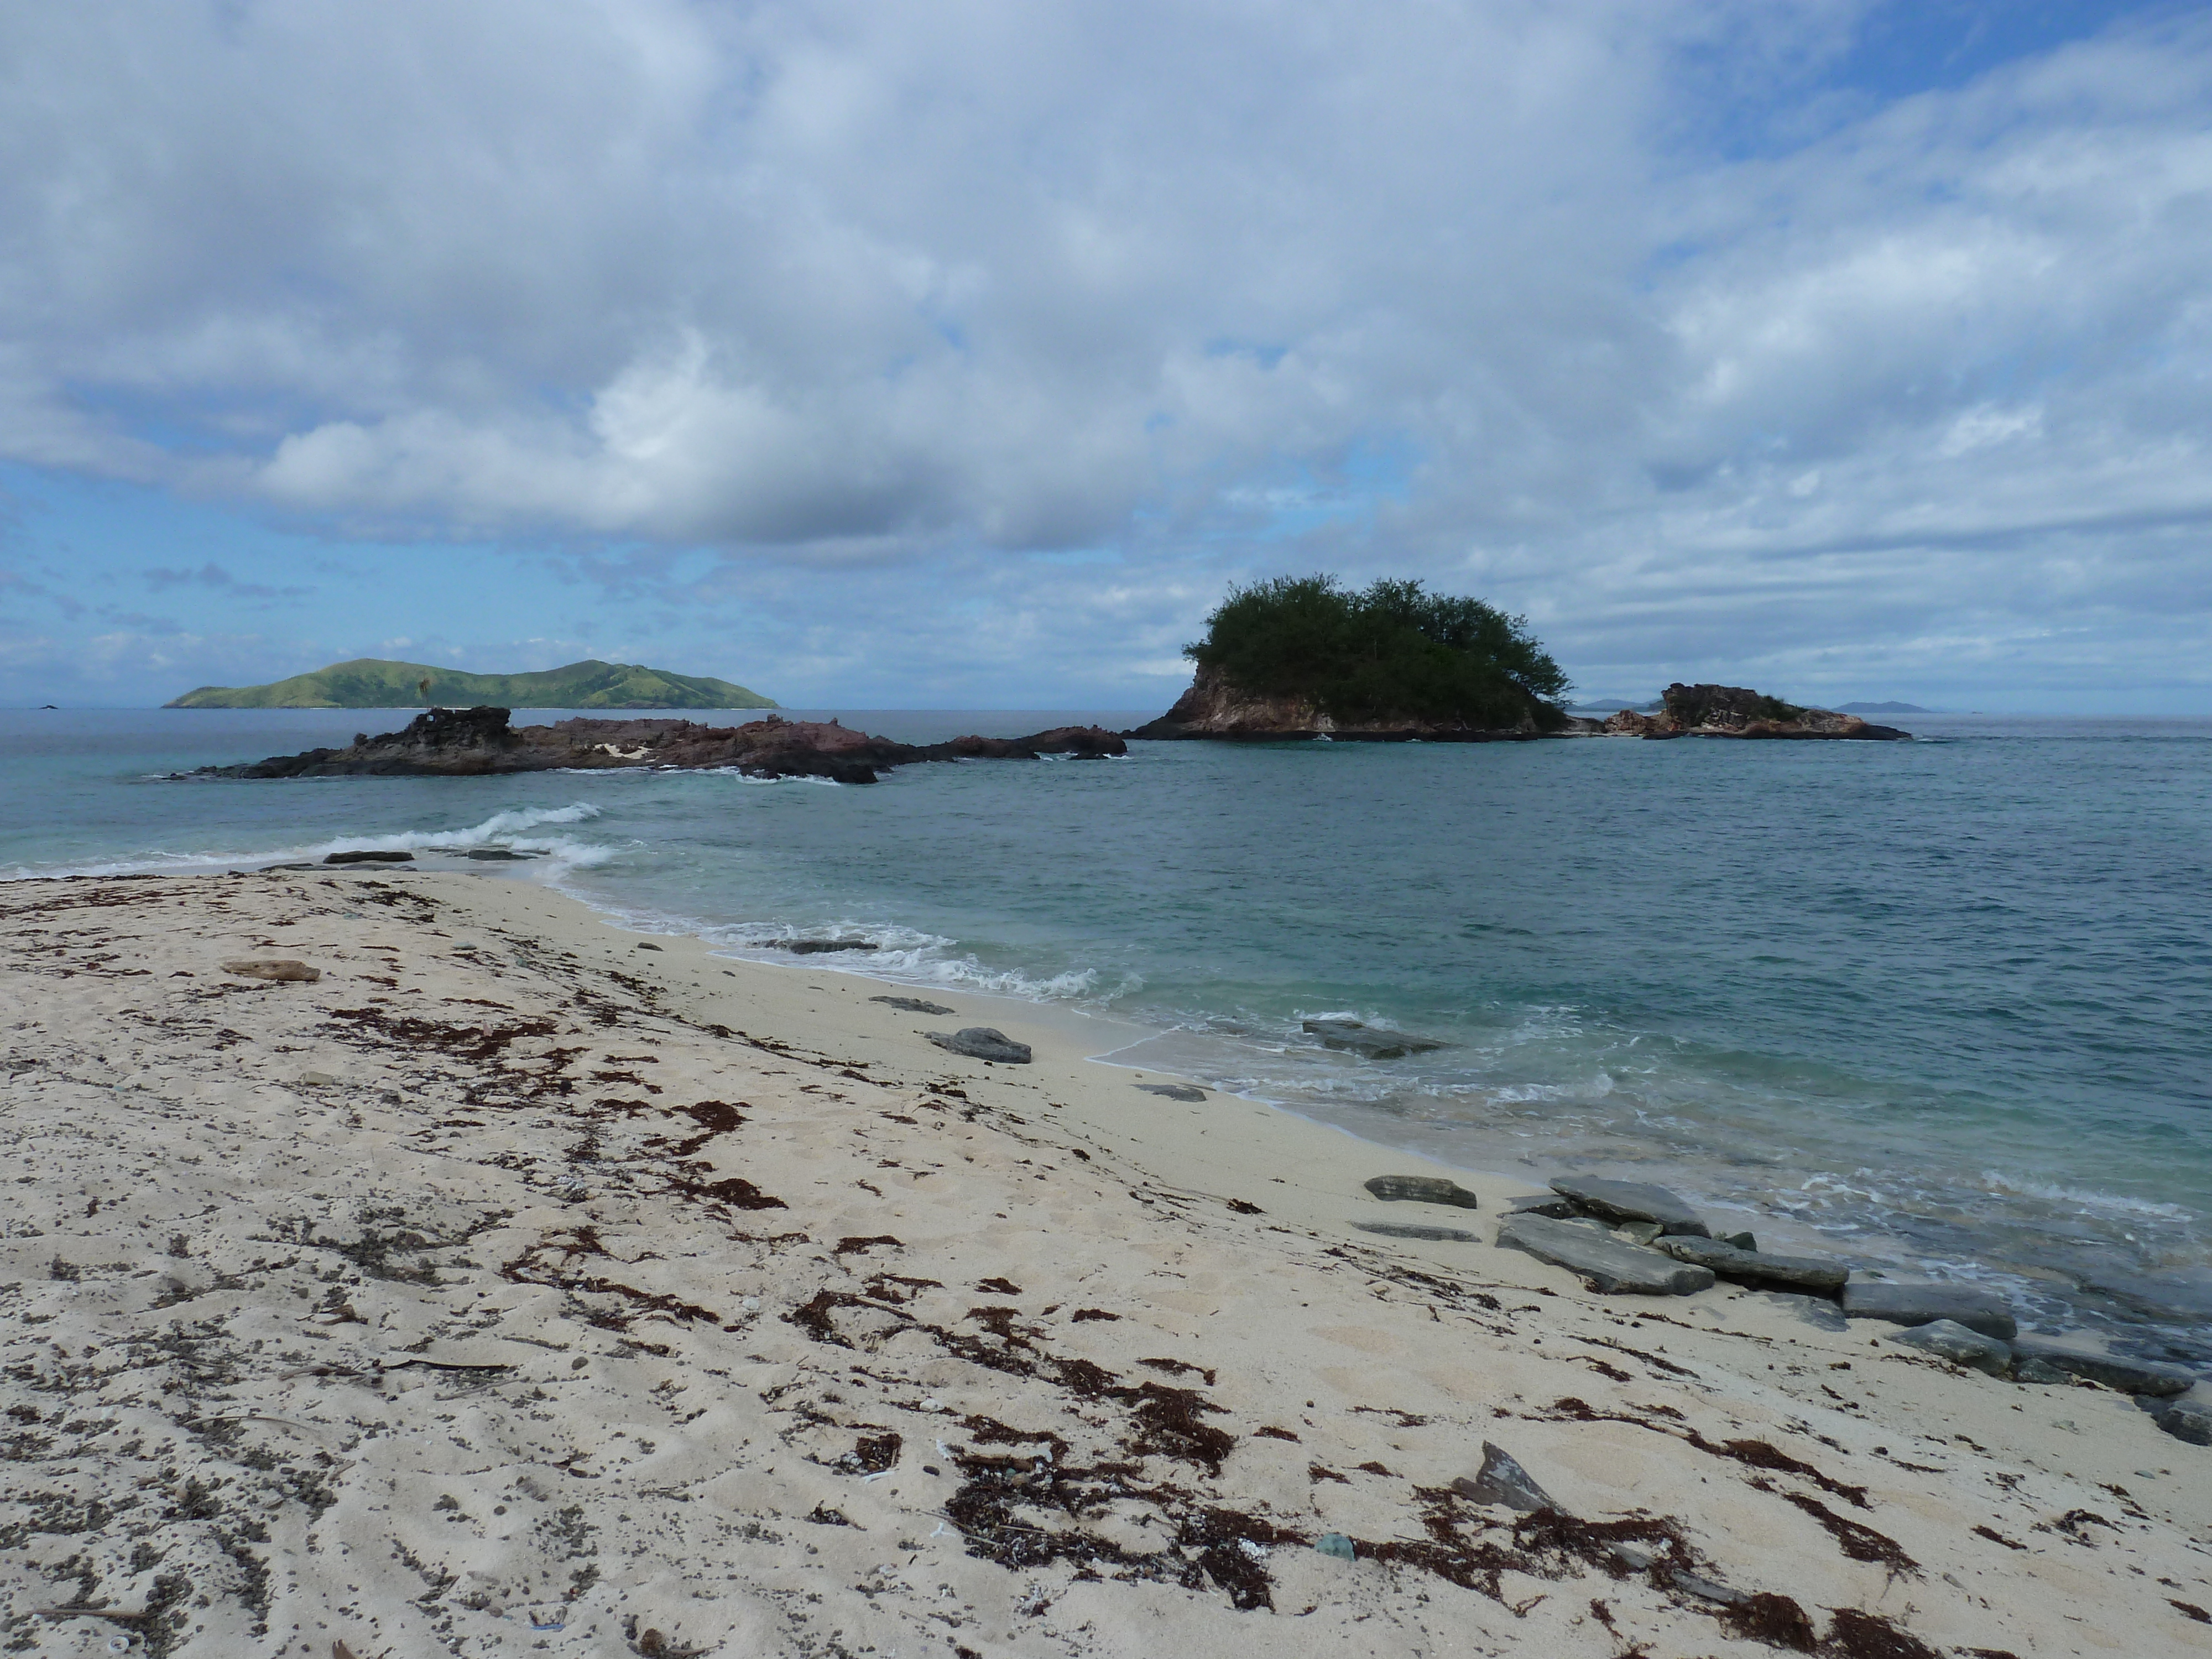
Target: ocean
1942	1007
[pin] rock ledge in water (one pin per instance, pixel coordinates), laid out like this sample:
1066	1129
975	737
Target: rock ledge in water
2041	1361
1922	1304
1368	1041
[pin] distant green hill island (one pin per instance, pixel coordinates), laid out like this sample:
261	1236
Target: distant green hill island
368	682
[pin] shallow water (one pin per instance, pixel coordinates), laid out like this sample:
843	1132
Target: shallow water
1941	1002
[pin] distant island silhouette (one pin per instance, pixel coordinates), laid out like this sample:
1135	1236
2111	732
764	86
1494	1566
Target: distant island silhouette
372	682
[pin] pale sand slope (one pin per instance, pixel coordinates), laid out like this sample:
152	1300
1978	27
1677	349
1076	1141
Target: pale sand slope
1119	1359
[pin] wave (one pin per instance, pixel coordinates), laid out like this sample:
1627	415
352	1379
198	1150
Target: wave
506	828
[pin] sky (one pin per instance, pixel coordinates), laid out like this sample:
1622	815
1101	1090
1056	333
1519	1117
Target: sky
964	354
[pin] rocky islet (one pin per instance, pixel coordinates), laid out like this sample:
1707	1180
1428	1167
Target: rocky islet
483	742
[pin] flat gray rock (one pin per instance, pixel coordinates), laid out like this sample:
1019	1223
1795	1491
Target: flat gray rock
1502	1480
1814	1310
1606	1264
1368	1042
1419	1189
1946	1339
1919	1304
1393	1230
982	1042
1173	1091
914	1006
1809	1272
369	857
2128	1376
1632	1200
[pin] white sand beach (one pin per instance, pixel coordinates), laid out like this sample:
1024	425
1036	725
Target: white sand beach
523	1285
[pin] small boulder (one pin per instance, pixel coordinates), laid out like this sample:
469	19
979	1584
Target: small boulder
370	857
279	969
1174	1091
497	854
1393	1229
1502	1480
982	1042
1420	1189
1604	1263
1946	1339
914	1006
2185	1419
1631	1200
1368	1042
1920	1304
316	1079
2043	1360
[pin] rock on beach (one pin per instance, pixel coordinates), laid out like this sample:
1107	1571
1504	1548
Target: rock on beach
1605	1263
1631	1200
982	1042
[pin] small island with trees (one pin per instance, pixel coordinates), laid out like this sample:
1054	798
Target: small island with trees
1305	657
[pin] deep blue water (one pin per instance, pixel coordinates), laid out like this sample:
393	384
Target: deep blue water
1943	1002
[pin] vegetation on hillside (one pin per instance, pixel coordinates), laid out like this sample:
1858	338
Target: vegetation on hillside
369	683
1394	651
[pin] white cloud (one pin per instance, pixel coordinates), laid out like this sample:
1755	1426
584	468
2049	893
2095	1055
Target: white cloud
1473	290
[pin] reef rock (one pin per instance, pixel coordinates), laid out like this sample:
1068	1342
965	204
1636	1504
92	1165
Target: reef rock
472	742
1737	711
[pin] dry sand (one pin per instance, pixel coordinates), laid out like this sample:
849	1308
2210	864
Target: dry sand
515	1288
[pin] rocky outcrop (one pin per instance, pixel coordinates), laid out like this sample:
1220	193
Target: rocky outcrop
1737	711
1214	706
473	742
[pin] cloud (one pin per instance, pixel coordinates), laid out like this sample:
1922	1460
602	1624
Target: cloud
213	575
1648	318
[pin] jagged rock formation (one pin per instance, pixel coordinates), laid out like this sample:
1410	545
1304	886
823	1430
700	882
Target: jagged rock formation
1737	711
473	742
1216	706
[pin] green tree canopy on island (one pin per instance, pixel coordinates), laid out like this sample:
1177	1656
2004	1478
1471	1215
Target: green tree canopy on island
1394	650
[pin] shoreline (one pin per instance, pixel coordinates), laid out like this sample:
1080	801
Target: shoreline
512	1286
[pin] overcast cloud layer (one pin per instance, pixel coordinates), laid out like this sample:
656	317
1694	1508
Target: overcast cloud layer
961	354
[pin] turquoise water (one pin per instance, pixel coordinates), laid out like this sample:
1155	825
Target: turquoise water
1940	1005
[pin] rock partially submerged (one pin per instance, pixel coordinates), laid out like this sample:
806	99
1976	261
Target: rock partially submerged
1183	1091
1756	1266
1420	1189
364	857
1631	1200
1922	1304
1368	1042
1605	1264
1737	711
982	1042
475	742
1946	1339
